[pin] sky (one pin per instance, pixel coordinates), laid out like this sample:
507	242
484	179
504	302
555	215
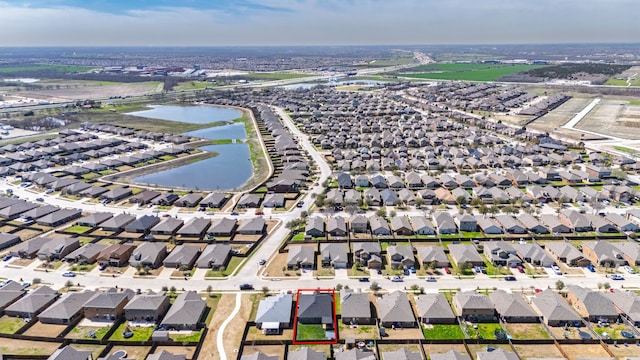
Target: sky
315	22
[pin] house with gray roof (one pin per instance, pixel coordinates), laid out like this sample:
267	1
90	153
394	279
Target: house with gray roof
532	224
565	252
169	226
359	224
59	217
214	256
182	256
473	306
334	255
8	240
401	354
534	254
630	251
29	249
166	199
501	253
13	211
400	225
315	308
627	303
604	253
621	223
253	226
147	307
554	309
69	353
449	355
591	305
116	254
434	309
467	222
189	200
33	303
488	225
195	227
356	308
379	226
248	201
432	254
165	355
144	197
186	312
367	254
117	223
553	223
259	356
315	227
300	256
39	212
142	225
306	353
465	253
445	223
148	254
214	200
116	194
395	311
10	292
512	307
497	354
510	224
422	226
58	248
401	256
337	226
66	309
274	313
223	227
355	354
94	220
107	305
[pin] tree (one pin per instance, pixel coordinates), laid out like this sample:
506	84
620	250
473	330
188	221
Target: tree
338	287
209	290
606	285
265	291
392	214
461	200
559	285
419	202
139	268
172	289
382	212
483	209
414	287
375	286
68	284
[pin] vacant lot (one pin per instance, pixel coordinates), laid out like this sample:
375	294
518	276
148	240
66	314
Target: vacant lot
584	351
537	351
360	332
527	331
85	332
561	115
403	333
472	72
613	117
25	347
92	90
46	330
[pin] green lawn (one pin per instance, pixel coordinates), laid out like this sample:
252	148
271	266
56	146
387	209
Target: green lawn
273	76
625	149
139	333
309	332
229	269
9	325
193	337
634	102
471	71
77	229
616	82
485	330
441	331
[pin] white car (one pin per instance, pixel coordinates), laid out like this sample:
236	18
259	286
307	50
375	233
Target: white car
629	269
556	270
69	274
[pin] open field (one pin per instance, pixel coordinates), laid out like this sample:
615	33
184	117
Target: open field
471	72
613	117
584	351
93	91
273	76
62	69
26	347
47	330
560	116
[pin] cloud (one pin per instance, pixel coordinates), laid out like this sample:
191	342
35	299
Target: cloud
315	22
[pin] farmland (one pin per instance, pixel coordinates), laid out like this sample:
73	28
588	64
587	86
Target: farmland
470	71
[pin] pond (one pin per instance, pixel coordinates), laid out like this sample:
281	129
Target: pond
227	171
199	114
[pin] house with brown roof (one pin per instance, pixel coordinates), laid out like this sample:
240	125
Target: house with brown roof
116	254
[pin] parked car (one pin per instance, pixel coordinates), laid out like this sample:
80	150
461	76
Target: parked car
258	212
591	268
102	267
49	191
68	274
509	278
364	279
617	277
629	269
447	270
246	287
234	213
556	270
39	199
262	262
520	268
397	279
7	257
431	279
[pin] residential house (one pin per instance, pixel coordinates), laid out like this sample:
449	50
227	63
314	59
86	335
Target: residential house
532	224
142	225
488	225
147	307
554	309
465	253
315	227
166	199
434	309
379	226
400	226
316	308
300	257
29	249
116	194
145	197
214	200
497	354
259	356
359	224
189	200
94	220
627	303
10	292
474	307
223	227
356	308
117	223
195	227
576	221
66	309
254	226
116	254
401	354
467	222
444	222
337	226
274	313
306	353
87	254
148	254
214	256
603	253
169	227
553	223
58	248
186	312
367	254
401	256
107	305
334	255
165	355
59	217
422	225
273	201
432	255
591	305
69	353
182	256
565	252
534	254
501	253
449	355
372	197
621	223
511	225
355	353
8	240
33	303
512	307
394	311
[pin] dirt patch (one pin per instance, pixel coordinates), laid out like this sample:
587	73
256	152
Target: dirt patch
256	334
571	333
278	265
527	331
22	262
133	352
95	349
584	351
93	91
267	350
624	349
361	332
178	350
613	117
405	333
46	330
233	332
537	351
393	347
474	349
443	348
25	347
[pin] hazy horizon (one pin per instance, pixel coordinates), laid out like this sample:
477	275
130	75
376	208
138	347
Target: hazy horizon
220	23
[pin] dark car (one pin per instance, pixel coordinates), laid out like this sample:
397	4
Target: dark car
246	287
510	278
364	279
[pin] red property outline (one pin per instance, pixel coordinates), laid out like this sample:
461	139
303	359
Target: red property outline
335	318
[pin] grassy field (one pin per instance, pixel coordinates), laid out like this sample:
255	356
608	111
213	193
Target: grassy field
471	72
624	149
139	333
634	102
442	331
484	331
618	82
309	332
9	325
193	337
55	68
